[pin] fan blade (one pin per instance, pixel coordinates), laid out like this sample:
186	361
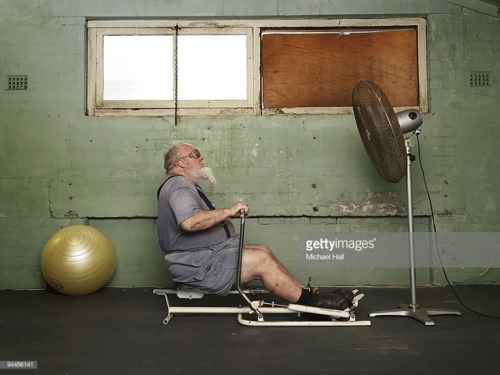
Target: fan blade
379	130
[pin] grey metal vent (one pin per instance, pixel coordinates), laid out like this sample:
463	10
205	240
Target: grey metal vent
479	79
17	82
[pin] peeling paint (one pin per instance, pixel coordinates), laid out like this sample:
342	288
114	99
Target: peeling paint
237	199
255	150
371	202
71	215
490	204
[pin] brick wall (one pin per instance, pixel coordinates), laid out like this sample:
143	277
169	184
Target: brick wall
59	167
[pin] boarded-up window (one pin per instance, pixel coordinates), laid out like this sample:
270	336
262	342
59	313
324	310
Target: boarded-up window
319	68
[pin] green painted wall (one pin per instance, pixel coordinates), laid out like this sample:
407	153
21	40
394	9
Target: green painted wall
300	174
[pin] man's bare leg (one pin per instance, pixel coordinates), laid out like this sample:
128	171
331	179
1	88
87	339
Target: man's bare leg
259	263
261	247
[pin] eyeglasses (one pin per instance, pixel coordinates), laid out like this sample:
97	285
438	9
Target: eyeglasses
195	154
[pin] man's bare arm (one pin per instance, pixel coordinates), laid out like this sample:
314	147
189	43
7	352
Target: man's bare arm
204	219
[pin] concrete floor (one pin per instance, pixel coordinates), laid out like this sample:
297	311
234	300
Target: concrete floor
120	331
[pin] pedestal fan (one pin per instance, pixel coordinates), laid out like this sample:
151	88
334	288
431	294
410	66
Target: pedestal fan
381	131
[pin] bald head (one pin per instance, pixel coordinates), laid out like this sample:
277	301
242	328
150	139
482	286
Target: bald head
184	159
173	154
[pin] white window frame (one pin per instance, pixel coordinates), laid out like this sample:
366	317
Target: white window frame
96	105
96	29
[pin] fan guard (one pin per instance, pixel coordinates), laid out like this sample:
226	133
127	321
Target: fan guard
379	130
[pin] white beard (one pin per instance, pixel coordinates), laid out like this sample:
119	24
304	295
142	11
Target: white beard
206	173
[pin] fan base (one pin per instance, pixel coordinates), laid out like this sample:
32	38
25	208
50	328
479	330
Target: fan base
416	312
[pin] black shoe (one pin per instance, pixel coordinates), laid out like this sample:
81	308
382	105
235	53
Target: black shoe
339	299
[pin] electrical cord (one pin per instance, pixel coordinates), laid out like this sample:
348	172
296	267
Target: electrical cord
482	273
437	246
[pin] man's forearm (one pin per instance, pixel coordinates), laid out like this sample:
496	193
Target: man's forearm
204	219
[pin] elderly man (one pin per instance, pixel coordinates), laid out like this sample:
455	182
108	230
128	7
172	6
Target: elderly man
201	246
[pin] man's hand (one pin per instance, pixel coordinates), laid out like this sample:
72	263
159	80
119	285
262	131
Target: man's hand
238	207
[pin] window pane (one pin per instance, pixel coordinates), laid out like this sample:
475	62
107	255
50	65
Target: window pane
212	67
138	67
320	69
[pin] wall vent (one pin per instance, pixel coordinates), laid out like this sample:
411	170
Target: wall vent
479	79
17	82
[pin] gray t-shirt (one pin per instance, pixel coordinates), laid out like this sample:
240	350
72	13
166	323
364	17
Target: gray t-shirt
178	201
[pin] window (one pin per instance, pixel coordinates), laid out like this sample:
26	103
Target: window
153	67
137	67
314	68
251	67
149	68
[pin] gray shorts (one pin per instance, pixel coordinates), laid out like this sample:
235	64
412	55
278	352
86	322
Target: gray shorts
211	269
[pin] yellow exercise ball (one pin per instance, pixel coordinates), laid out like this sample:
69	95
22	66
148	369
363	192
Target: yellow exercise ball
78	260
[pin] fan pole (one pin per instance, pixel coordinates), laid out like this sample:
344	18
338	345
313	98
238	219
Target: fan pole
411	238
413	310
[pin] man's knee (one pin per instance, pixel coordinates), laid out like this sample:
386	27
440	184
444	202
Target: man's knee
259	247
258	258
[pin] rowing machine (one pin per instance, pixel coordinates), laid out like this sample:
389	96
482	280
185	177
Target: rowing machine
253	313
